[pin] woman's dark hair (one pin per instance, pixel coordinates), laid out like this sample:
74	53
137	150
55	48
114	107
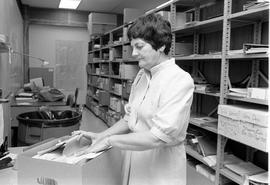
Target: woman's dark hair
153	29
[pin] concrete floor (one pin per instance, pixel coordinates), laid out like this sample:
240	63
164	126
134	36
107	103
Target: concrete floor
91	123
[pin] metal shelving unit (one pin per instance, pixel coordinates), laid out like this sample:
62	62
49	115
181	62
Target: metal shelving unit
223	56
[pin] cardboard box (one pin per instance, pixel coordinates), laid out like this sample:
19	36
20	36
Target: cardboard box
102	18
127	52
248	133
165	14
183	49
180	17
245	125
98	29
99	23
115	104
249	114
117	88
258	93
104	169
128	71
130	14
104	98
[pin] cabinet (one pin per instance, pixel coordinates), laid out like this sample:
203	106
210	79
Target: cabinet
211	44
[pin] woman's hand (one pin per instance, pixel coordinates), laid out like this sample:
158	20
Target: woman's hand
96	147
88	135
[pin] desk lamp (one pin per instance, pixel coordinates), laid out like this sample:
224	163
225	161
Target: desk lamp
44	62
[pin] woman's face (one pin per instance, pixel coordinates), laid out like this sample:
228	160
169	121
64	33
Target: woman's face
147	56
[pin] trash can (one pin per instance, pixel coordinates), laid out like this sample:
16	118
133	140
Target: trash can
40	125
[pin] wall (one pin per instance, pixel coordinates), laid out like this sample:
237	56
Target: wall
43	41
11	25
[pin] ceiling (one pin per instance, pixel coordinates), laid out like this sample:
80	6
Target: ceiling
112	6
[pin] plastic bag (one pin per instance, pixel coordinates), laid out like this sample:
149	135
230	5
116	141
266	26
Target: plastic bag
50	95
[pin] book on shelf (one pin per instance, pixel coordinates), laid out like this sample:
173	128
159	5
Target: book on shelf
211	160
205	121
255	48
207	146
244	168
239	92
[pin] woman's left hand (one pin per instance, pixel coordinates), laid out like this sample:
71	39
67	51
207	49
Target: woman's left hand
96	147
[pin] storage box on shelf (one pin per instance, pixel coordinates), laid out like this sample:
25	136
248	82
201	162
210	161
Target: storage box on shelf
99	23
245	124
128	71
104	98
130	14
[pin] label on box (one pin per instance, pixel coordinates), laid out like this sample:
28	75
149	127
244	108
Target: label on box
244	132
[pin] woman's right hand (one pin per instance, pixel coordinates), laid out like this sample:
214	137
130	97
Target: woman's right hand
88	135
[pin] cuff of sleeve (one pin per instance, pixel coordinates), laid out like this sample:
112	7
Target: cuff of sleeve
126	117
159	134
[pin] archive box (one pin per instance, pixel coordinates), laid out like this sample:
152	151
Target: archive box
103	170
244	124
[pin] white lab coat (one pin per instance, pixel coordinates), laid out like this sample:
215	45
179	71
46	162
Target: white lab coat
160	101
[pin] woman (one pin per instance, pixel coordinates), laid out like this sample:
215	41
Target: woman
153	129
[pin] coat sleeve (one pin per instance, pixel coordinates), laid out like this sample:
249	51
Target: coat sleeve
171	119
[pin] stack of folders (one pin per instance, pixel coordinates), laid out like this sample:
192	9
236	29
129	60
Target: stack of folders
245	169
25	96
201	143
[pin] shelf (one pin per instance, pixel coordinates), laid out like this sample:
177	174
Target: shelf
251	15
248	56
198	57
212	128
103	75
117	44
116	77
232	176
249	100
114	93
130	60
95	50
207	93
117	29
207	25
104	61
105	47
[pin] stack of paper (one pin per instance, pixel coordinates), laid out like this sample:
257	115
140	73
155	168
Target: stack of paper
228	159
244	168
239	92
205	120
